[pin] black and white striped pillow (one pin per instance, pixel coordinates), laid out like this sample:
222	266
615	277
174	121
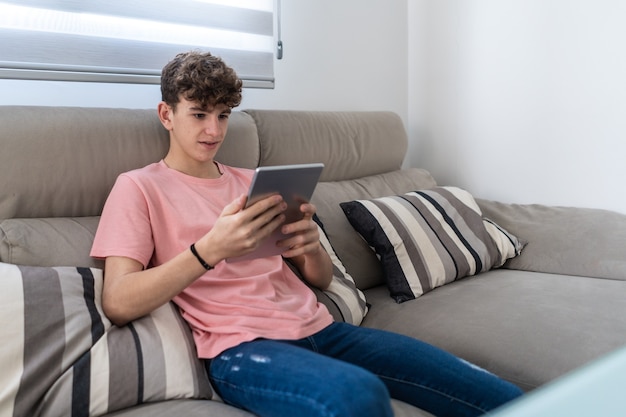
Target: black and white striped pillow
426	239
60	355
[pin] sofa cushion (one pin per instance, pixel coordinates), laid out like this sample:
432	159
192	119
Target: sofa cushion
426	239
350	144
360	261
564	240
182	408
199	408
526	327
65	356
62	241
76	153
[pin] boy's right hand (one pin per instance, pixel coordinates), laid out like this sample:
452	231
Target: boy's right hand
239	230
130	291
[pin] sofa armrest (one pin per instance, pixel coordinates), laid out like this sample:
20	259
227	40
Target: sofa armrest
564	240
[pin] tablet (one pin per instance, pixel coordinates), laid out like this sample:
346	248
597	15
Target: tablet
296	184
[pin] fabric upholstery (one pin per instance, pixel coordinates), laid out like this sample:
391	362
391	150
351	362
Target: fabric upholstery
65	164
182	408
338	139
429	238
527	327
49	241
564	240
66	358
200	408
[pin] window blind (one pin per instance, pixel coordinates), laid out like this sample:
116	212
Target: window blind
129	41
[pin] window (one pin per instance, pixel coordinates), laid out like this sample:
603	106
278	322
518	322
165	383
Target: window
130	40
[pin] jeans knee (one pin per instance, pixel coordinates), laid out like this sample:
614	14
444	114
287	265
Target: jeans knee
362	394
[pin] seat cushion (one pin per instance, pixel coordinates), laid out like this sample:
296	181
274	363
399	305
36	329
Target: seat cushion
199	408
526	327
186	408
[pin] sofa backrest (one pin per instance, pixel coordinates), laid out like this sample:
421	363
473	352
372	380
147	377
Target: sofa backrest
63	161
58	164
350	144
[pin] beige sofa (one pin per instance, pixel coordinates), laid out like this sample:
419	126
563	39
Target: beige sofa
549	310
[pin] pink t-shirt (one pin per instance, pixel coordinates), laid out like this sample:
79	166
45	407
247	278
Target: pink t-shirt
154	213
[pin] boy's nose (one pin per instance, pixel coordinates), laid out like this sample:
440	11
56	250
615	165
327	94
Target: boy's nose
212	126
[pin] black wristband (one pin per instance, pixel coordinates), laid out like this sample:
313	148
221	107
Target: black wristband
199	258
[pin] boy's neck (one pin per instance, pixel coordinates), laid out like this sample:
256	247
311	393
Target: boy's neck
208	170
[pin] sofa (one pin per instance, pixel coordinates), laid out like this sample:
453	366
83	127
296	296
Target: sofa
540	295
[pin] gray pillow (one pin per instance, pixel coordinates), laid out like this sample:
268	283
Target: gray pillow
53	241
578	241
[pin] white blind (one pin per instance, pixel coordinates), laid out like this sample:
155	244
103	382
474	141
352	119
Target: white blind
131	40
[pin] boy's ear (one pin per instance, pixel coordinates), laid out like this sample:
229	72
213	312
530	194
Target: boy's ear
165	114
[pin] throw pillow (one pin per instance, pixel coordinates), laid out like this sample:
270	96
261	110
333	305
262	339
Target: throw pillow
426	239
60	355
344	300
360	261
55	241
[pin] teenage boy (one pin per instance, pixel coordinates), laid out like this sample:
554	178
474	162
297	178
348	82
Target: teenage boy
269	346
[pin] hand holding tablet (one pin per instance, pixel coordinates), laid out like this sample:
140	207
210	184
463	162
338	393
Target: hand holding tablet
295	183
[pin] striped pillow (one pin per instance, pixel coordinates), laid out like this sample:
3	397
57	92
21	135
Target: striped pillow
61	356
342	297
426	239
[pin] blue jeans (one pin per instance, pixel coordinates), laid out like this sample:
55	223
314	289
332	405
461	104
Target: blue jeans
346	370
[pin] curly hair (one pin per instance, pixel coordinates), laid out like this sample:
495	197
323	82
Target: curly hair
202	78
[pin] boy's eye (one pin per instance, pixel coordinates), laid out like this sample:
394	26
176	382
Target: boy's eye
199	115
224	115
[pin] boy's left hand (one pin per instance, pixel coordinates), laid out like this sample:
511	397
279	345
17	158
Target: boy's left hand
305	236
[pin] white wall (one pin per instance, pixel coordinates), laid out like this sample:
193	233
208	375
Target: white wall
340	55
521	100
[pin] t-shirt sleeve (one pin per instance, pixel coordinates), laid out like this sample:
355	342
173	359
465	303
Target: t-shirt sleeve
124	228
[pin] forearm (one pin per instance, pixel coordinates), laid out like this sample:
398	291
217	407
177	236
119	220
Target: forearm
316	267
131	292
